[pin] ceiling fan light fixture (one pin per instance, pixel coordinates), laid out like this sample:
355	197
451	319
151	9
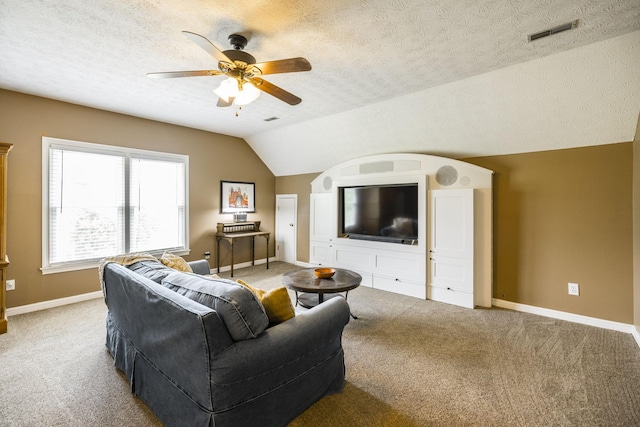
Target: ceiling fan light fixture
241	93
243	85
247	95
228	89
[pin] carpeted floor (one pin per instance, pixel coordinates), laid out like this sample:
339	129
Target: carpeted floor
409	362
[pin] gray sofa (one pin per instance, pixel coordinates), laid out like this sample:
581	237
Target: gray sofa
217	365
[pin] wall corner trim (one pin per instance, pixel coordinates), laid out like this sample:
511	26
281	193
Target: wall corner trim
569	317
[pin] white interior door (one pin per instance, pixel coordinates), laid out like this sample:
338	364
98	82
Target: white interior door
451	243
286	227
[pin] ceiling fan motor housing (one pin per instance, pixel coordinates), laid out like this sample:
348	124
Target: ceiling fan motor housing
238	55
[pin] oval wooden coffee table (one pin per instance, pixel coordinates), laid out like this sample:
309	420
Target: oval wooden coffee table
310	290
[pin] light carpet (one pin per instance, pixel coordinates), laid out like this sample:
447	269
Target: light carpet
409	362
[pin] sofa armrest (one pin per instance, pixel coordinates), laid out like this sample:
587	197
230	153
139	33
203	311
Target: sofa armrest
200	266
280	355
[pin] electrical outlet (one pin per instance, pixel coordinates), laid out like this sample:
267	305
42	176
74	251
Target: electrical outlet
11	284
207	255
574	289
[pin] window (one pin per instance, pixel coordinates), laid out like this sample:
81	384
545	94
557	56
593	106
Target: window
102	200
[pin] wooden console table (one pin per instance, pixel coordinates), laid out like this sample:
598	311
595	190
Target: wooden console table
240	230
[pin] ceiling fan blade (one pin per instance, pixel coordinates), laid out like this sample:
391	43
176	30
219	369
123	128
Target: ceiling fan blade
291	65
172	74
223	103
205	44
276	91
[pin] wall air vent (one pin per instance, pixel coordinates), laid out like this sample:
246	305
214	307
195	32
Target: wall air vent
555	30
270	119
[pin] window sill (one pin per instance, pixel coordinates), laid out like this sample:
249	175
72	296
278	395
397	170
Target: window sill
65	268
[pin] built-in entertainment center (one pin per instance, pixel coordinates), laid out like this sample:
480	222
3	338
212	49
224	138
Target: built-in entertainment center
413	224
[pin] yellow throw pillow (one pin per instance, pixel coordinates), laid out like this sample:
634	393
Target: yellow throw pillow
276	302
175	262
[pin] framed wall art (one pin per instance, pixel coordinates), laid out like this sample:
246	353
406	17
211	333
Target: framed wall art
237	197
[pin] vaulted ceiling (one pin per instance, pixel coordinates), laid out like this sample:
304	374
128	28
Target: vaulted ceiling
449	77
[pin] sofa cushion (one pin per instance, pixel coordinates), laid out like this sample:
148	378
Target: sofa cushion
239	309
276	302
153	270
176	262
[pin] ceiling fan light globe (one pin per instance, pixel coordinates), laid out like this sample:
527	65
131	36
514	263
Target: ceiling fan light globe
228	89
247	95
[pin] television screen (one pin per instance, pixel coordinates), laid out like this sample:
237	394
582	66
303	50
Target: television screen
381	212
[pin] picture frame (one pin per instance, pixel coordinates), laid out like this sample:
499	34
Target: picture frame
237	197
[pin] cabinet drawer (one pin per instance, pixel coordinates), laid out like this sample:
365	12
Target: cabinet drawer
399	286
450	296
353	258
401	265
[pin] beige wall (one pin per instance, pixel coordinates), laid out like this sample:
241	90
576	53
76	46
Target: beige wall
559	216
565	216
212	157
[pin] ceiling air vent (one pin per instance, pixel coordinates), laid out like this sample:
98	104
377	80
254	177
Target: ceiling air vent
555	30
270	119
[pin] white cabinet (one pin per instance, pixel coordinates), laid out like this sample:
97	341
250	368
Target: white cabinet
396	271
321	226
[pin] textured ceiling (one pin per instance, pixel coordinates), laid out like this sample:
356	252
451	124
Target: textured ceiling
363	52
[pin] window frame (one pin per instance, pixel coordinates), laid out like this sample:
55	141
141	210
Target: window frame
128	154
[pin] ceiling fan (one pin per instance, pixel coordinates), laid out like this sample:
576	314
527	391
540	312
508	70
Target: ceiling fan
244	82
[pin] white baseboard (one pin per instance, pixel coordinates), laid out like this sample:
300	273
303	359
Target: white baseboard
570	317
52	303
242	265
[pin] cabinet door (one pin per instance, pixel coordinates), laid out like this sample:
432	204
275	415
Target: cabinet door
320	217
451	242
321	253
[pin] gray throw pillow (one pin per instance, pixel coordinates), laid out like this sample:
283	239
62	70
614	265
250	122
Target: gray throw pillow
238	308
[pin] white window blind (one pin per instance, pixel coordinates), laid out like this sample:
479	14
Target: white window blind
157	204
103	200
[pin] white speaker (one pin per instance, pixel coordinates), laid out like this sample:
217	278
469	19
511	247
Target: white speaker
327	183
446	175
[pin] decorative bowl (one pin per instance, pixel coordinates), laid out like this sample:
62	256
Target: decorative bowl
324	273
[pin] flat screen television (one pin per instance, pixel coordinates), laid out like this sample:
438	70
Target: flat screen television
387	213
